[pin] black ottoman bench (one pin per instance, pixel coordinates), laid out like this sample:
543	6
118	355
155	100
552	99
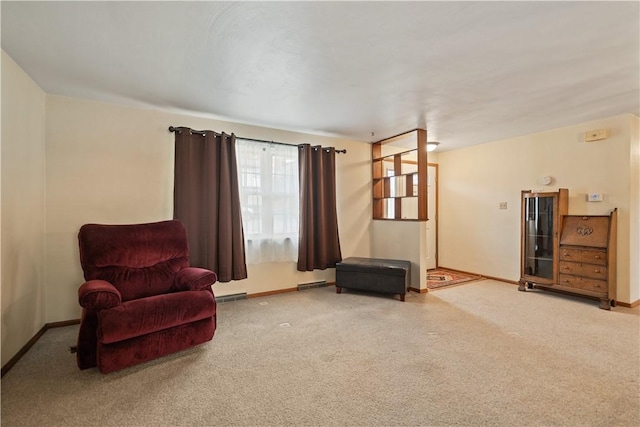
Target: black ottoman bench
389	276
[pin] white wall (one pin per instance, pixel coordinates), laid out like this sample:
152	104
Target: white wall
398	240
111	164
476	236
23	209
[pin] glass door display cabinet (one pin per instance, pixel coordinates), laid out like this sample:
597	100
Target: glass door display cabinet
541	216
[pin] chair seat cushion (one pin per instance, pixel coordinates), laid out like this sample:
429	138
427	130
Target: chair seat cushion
146	315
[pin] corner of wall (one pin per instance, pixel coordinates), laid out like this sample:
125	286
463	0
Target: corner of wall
634	207
22	180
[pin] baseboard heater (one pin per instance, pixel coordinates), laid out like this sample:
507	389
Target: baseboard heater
311	285
231	297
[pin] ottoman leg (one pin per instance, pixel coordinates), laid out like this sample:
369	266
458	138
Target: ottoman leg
402	297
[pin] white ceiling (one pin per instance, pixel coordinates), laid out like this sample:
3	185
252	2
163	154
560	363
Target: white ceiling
470	72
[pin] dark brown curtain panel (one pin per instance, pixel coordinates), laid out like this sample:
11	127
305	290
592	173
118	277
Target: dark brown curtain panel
207	201
319	243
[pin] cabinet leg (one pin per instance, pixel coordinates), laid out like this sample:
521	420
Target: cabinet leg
338	289
522	286
605	304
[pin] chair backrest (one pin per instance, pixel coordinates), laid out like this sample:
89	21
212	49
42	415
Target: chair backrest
140	260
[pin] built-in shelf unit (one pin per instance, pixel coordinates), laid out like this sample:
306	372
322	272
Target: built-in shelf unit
400	177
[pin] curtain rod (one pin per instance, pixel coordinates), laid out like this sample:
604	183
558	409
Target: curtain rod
201	132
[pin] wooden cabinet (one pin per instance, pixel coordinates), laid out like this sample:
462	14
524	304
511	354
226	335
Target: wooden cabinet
400	177
588	257
539	236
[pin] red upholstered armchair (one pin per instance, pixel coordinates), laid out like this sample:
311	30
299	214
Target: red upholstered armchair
141	300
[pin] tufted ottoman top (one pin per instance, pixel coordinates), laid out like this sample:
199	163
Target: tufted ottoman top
394	267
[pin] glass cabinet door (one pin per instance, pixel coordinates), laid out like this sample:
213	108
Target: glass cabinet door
540	227
539	237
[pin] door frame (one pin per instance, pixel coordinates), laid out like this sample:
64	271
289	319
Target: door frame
437	202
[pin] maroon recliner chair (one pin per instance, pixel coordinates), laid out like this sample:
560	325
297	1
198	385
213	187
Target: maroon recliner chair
141	300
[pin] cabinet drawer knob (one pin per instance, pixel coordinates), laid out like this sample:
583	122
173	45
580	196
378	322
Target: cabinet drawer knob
597	256
596	271
565	254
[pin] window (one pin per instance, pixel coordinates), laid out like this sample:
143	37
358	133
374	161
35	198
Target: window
268	181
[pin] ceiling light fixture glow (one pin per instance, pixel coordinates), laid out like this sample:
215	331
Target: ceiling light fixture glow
432	145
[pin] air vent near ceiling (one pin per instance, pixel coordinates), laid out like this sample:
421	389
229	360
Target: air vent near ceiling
596	135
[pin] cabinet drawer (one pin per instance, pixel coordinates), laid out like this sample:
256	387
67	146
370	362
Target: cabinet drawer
593	271
593	285
589	256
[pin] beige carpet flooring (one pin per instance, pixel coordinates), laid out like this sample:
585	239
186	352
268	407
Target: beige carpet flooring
479	354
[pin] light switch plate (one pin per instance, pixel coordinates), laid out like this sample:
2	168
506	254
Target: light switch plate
594	197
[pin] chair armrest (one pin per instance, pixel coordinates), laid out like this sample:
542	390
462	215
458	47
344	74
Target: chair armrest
194	279
98	295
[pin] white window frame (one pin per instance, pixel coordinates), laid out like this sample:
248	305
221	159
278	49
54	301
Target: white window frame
271	220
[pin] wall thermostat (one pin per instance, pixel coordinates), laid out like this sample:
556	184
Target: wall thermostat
594	197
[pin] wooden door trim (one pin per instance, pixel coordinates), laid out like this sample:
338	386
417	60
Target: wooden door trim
437	202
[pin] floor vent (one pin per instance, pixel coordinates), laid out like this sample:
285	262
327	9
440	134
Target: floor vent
232	297
311	285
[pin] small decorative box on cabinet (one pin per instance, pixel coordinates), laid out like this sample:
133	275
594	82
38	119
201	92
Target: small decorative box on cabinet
588	257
